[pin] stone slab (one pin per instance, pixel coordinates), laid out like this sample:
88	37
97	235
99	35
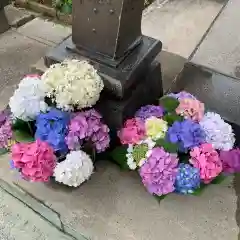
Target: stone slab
45	31
18	17
180	25
220	50
172	64
17	53
17	221
218	92
113	205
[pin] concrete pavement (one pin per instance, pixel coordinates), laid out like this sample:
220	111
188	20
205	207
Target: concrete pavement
19	222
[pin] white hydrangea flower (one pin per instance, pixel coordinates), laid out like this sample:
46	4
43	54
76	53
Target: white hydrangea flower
73	83
75	170
130	158
28	99
218	132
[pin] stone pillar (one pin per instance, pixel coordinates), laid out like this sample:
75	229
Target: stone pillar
3	20
111	27
108	34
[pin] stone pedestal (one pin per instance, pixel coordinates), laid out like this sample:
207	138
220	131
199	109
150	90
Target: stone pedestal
119	81
4	26
108	34
116	111
126	88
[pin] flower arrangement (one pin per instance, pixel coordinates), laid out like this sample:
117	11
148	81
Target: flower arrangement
177	146
51	128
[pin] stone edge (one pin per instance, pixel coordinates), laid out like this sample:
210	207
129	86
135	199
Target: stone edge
44	10
43	211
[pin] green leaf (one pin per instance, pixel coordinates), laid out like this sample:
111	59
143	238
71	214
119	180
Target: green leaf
21	136
21	125
170	118
118	155
184	158
139	152
66	8
168	146
219	179
159	198
169	103
200	190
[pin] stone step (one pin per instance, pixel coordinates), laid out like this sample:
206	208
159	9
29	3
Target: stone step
220	49
17	16
180	25
212	73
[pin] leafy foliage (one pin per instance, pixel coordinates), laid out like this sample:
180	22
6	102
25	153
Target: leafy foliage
168	103
160	198
118	155
168	146
170	118
23	131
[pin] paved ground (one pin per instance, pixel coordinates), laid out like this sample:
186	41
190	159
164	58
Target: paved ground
113	205
19	222
180	24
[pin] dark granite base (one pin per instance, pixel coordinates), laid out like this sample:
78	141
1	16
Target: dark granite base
119	81
115	111
220	93
4	26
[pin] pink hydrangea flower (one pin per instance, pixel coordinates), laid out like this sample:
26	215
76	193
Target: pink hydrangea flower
207	160
231	160
132	132
190	109
36	160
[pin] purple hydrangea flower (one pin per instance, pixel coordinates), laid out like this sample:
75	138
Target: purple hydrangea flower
181	95
231	160
87	126
159	172
4	116
5	129
101	138
188	179
11	163
187	134
149	111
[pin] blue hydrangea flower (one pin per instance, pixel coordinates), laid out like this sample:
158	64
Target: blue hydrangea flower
187	134
188	179
52	127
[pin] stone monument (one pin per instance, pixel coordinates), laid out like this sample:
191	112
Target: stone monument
108	34
3	20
